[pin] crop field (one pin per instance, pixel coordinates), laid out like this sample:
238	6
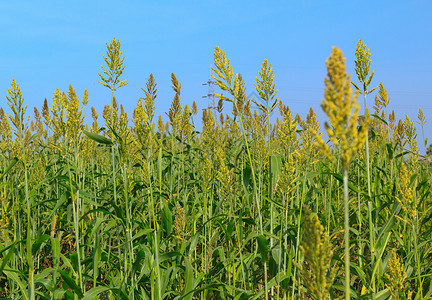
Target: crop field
261	203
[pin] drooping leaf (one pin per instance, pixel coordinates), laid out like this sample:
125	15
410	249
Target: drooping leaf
98	138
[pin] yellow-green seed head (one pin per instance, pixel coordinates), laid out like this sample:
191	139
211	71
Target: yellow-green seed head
342	109
194	108
316	272
421	117
114	60
362	67
396	277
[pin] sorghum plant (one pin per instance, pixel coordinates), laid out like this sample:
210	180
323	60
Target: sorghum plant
342	108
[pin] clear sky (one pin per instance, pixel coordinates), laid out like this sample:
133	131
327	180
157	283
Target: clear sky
50	44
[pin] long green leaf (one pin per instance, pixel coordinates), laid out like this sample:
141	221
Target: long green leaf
11	165
71	283
98	138
94	292
263	247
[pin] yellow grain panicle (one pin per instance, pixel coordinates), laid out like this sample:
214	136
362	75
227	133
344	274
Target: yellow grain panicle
194	108
396	277
114	60
421	117
407	198
411	134
95	125
316	272
342	109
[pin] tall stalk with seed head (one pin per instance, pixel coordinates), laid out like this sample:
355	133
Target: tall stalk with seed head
111	80
235	86
20	127
342	109
115	68
422	122
265	87
362	68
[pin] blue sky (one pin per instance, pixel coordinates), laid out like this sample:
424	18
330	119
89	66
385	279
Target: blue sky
51	44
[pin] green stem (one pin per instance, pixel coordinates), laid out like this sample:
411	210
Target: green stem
417	258
158	275
367	148
299	222
257	198
346	234
370	206
31	291
75	209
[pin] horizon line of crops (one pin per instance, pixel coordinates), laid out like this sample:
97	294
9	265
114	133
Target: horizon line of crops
245	209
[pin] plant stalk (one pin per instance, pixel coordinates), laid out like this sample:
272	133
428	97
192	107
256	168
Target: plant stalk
346	234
